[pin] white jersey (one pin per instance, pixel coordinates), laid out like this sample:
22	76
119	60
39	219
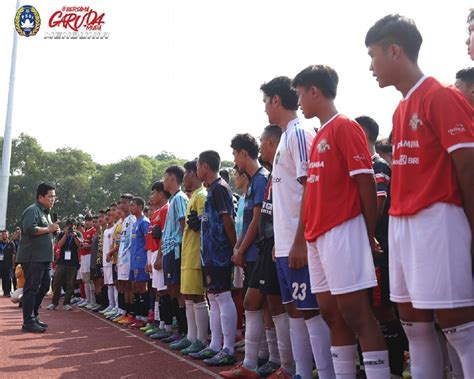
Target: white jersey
126	239
289	166
107	245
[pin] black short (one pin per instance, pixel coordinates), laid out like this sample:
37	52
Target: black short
171	269
380	295
264	276
217	279
248	270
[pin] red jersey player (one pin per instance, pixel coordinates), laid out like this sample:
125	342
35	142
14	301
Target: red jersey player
432	209
339	214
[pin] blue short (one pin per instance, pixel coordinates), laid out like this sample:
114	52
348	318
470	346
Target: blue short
139	275
295	286
171	269
217	279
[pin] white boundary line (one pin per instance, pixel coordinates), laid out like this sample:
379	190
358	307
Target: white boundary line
157	347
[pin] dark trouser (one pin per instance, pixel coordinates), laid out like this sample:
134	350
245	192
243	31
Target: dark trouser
37	281
5	275
13	276
64	276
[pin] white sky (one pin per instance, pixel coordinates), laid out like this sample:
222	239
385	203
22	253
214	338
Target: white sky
184	76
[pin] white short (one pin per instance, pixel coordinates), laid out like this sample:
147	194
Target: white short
123	271
430	258
340	261
79	275
108	275
150	259
85	264
157	276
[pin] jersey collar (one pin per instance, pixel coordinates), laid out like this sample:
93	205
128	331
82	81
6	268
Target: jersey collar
328	121
417	84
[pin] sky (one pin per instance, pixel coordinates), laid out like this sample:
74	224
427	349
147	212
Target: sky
184	76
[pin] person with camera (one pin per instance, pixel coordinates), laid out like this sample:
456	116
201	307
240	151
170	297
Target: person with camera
69	241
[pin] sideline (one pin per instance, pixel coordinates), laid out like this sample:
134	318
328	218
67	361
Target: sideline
154	345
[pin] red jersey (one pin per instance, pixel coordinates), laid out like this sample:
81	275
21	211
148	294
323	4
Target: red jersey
430	123
338	152
88	236
158	218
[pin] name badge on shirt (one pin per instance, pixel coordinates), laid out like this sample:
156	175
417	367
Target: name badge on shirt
1	256
67	255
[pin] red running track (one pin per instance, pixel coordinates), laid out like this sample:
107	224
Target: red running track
80	344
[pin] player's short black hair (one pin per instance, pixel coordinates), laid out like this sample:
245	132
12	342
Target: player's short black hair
245	142
127	196
274	131
224	174
191	166
88	217
103	212
281	87
211	158
370	126
321	76
399	30
139	201
466	75
112	205
43	189
177	171
159	186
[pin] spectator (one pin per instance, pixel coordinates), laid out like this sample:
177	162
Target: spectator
7	251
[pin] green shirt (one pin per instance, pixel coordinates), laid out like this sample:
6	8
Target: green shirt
34	248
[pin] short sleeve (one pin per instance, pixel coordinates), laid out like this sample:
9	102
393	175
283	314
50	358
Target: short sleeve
351	141
144	227
181	204
222	200
200	202
163	214
300	146
451	117
382	178
259	184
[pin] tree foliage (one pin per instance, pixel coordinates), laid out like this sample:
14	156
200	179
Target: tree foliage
82	186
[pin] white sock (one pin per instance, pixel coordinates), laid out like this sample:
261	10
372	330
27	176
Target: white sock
273	353
191	319
157	311
344	360
320	338
461	338
215	320
162	325
116	293
282	329
376	364
201	314
253	336
425	353
110	295
92	289
301	347
87	290
168	328
228	319
263	349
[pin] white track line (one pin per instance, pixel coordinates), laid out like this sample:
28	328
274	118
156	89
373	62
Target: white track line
157	347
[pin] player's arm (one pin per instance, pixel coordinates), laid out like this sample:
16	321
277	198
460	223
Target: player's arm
298	255
368	203
229	228
463	160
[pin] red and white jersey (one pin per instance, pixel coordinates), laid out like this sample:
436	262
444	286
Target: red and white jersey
432	121
290	165
88	236
339	152
158	218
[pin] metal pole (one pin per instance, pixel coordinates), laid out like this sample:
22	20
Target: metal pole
7	137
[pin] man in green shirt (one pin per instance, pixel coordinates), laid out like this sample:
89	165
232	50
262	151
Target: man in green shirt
36	254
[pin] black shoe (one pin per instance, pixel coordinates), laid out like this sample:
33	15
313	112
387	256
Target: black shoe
41	323
32	328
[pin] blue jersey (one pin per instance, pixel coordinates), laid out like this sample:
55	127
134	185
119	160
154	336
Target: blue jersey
216	249
172	233
254	198
137	250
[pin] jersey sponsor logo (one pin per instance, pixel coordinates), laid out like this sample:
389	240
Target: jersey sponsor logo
318	164
415	122
408	143
304	166
359	157
406	160
459	128
276	180
267	208
313	178
323	146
